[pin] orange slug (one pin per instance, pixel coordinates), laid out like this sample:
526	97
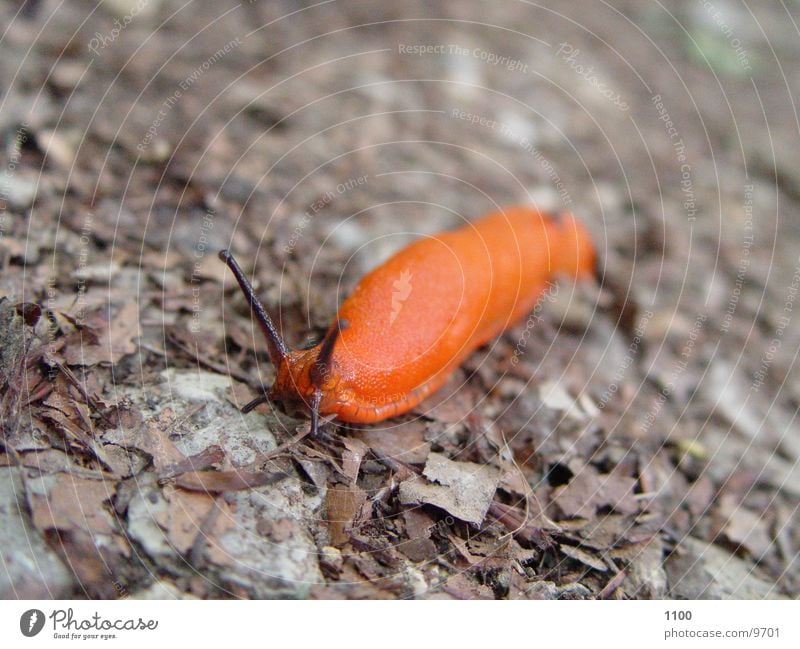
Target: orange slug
413	320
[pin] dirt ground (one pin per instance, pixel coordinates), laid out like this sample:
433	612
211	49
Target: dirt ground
636	437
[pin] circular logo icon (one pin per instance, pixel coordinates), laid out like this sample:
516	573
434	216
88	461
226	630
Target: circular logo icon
31	622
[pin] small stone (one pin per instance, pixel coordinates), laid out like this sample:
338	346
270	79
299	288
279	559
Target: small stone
330	558
20	191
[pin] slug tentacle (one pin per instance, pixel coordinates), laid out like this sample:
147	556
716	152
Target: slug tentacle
277	347
321	369
250	405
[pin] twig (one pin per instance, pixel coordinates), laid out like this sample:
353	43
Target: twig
612	585
206	527
217	367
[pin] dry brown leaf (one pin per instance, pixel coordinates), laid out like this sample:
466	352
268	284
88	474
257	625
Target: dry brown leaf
461	546
343	505
111	340
462	586
409	447
74	503
187	517
700	495
203	460
464	489
153	439
419	525
231	480
744	528
75	432
589	489
603	532
584	557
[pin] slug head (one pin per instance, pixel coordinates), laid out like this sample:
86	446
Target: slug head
304	374
303	378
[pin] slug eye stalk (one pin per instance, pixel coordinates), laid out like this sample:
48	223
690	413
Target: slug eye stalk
277	347
322	367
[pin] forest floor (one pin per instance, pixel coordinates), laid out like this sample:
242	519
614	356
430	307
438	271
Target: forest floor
637	437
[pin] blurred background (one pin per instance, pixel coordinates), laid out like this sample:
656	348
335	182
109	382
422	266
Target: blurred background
315	139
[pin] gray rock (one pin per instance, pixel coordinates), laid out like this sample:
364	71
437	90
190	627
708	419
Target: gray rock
30	569
242	557
267	568
20	191
161	590
144	510
700	570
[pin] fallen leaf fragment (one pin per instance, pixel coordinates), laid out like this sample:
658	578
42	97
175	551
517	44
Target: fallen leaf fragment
745	528
114	337
584	557
222	481
409	448
188	514
344	506
419	546
203	460
464	489
151	437
589	489
462	587
69	502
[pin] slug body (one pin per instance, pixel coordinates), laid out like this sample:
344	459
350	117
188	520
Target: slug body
410	322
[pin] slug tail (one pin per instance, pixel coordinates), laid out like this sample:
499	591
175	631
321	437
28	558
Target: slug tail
576	255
